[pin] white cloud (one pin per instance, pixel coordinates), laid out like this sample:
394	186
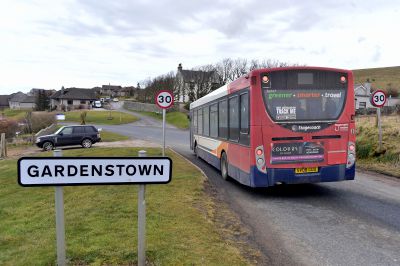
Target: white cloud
89	43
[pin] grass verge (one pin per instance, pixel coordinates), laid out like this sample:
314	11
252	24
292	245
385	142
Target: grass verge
108	136
101	221
101	117
369	157
15	114
178	119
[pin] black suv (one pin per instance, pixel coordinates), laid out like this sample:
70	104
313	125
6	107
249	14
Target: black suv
70	135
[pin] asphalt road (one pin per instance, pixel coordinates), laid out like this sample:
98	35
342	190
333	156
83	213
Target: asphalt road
342	223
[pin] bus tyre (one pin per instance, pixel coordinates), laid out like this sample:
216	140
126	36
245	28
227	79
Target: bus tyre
224	166
196	150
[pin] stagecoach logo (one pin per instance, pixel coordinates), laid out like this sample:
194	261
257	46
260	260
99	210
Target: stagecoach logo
306	128
342	127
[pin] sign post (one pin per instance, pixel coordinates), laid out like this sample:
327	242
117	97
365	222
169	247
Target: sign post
61	171
378	99
60	221
164	100
142	221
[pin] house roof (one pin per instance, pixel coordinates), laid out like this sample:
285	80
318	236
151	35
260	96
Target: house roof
111	87
362	89
192	75
29	99
18	97
4	100
74	94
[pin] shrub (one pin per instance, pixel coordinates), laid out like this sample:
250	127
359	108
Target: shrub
9	126
37	121
389	157
363	150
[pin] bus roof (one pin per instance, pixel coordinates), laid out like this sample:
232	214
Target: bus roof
222	91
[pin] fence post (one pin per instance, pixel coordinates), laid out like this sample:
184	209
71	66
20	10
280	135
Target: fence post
3	145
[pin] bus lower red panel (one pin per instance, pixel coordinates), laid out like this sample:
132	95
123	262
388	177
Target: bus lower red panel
287	176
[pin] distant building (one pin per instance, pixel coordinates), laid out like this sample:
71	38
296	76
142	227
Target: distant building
21	101
35	92
4	101
72	98
188	81
362	93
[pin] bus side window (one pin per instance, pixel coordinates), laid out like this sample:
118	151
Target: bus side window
244	119
223	119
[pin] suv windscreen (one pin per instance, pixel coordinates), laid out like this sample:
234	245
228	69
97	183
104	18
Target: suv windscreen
304	95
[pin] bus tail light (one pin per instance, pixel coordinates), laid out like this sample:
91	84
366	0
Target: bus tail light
351	154
260	159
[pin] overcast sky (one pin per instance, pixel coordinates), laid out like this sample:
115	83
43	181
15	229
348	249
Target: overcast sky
49	44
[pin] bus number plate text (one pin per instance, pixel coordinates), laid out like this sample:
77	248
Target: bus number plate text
306	170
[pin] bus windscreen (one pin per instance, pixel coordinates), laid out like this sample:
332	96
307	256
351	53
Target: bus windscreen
304	95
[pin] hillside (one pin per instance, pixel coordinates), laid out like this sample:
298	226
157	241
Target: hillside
381	78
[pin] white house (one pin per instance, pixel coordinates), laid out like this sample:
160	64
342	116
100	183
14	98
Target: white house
362	93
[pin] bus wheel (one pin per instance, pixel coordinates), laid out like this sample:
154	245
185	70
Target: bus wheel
196	150
224	166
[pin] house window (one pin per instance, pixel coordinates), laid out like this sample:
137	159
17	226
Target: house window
69	102
362	105
83	102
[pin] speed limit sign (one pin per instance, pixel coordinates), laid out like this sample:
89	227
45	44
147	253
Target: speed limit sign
164	99
378	98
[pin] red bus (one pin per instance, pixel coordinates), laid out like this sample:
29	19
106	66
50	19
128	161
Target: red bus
279	126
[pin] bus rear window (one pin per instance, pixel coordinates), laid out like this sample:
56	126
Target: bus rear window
304	96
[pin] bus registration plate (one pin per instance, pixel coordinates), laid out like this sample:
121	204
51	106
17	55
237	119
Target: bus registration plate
306	170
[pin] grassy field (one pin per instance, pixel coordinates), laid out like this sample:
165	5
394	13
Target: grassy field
101	221
386	161
101	117
379	77
108	136
15	114
178	119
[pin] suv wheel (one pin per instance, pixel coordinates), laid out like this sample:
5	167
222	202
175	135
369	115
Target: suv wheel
48	146
86	143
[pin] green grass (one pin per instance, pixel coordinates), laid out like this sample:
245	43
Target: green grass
178	119
379	77
101	221
15	114
108	136
101	117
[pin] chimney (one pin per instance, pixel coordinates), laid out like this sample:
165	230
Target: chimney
180	67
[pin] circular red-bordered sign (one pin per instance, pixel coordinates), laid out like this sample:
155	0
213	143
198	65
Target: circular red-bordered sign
378	98
164	99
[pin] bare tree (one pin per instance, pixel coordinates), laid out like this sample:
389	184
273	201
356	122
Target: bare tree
203	82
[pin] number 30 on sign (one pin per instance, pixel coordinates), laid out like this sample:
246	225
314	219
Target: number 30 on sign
164	99
378	98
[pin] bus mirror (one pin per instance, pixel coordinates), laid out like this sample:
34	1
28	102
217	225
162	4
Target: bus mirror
188	116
